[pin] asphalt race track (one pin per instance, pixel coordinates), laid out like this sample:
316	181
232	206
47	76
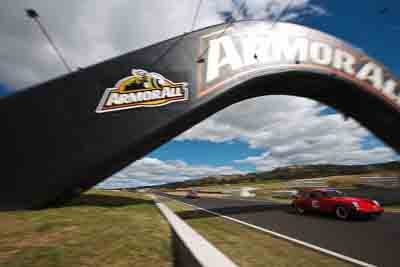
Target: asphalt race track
373	241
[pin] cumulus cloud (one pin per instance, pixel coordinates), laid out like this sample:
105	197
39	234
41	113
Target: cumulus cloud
88	32
291	130
268	161
152	171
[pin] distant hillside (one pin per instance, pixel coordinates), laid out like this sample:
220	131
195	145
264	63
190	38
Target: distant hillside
292	172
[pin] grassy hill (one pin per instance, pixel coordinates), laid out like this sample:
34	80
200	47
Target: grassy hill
292	172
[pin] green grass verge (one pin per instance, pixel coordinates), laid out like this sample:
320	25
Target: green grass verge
97	229
251	248
267	184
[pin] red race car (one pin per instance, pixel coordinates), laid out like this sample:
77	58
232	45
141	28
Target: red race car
333	201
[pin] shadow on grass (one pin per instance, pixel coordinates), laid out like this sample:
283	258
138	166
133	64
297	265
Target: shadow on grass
100	200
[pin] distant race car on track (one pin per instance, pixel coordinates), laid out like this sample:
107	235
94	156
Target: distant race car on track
333	201
192	194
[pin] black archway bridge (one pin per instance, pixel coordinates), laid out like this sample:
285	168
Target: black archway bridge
66	135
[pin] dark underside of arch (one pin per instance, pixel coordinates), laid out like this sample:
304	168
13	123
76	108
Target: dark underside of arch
55	144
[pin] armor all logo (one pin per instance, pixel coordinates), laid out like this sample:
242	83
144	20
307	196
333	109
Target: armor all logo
142	89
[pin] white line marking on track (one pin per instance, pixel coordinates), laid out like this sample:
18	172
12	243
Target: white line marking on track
285	237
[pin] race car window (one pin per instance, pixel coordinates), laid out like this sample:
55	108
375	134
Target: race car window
333	193
304	194
315	195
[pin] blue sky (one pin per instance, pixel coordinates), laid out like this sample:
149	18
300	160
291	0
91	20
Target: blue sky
207	152
5	90
370	25
289	131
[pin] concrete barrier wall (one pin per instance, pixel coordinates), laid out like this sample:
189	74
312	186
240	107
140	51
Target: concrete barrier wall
190	249
384	182
182	255
284	193
314	182
385	196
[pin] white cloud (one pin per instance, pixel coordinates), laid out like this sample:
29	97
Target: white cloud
154	171
267	161
291	131
88	32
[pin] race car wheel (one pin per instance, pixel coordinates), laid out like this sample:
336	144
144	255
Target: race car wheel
342	212
299	209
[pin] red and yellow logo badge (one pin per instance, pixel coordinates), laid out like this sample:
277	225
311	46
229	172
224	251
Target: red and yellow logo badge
142	89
